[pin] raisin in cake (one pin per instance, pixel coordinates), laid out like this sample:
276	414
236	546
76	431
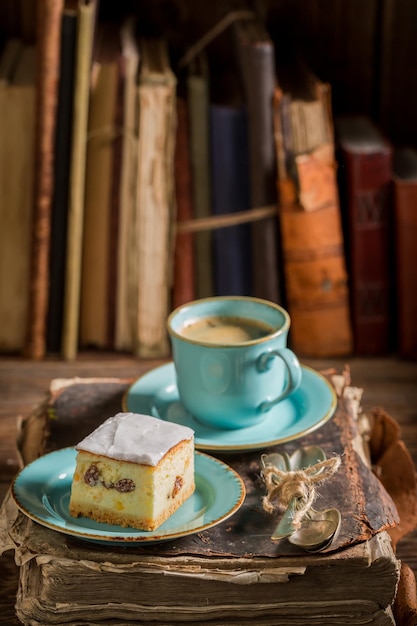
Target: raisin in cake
133	470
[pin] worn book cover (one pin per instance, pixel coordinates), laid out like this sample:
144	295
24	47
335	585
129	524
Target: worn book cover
365	172
49	13
405	228
18	112
316	280
237	573
154	198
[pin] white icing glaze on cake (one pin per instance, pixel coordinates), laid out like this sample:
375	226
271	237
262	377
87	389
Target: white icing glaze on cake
135	437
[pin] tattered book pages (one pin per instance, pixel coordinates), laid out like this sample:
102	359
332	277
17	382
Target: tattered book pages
154	210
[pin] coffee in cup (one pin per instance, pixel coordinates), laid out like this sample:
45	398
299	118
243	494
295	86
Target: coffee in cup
227	330
231	359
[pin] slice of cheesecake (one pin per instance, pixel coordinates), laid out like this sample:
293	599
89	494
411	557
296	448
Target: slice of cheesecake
134	471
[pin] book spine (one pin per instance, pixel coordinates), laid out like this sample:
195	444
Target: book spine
366	188
124	296
49	34
316	281
317	295
115	190
153	212
85	34
61	183
100	230
230	193
183	279
17	170
198	100
258	69
405	218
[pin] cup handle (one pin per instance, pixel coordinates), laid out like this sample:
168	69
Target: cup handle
264	363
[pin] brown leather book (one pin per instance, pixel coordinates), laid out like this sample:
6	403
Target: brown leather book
48	58
256	56
317	296
249	578
316	280
365	168
183	274
405	227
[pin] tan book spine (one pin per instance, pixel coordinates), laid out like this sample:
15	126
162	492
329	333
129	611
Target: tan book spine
154	210
95	313
85	35
17	106
49	36
198	88
123	326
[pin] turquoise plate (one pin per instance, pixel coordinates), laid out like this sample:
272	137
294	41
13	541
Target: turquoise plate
42	492
312	405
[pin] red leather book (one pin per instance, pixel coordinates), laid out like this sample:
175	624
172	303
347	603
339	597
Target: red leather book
405	222
365	169
183	279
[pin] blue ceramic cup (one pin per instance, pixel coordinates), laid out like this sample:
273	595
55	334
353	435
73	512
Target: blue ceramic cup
231	359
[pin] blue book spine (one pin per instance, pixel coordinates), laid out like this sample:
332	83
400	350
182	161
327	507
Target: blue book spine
230	194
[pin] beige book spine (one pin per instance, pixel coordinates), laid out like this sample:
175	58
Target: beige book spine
123	329
94	311
154	218
155	201
77	179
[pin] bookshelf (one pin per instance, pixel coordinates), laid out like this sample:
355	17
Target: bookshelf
364	52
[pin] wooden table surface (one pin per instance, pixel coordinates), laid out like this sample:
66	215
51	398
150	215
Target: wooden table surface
389	383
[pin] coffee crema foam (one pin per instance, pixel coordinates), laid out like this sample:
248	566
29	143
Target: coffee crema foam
225	330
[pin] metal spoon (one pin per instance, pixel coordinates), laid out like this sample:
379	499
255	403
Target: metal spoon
318	530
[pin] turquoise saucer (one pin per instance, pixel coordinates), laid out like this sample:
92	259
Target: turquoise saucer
307	409
42	492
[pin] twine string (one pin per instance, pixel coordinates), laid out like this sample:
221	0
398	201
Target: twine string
297	486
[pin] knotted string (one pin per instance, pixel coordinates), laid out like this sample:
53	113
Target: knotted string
299	485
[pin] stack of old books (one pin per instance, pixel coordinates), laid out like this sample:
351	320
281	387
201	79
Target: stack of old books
231	573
